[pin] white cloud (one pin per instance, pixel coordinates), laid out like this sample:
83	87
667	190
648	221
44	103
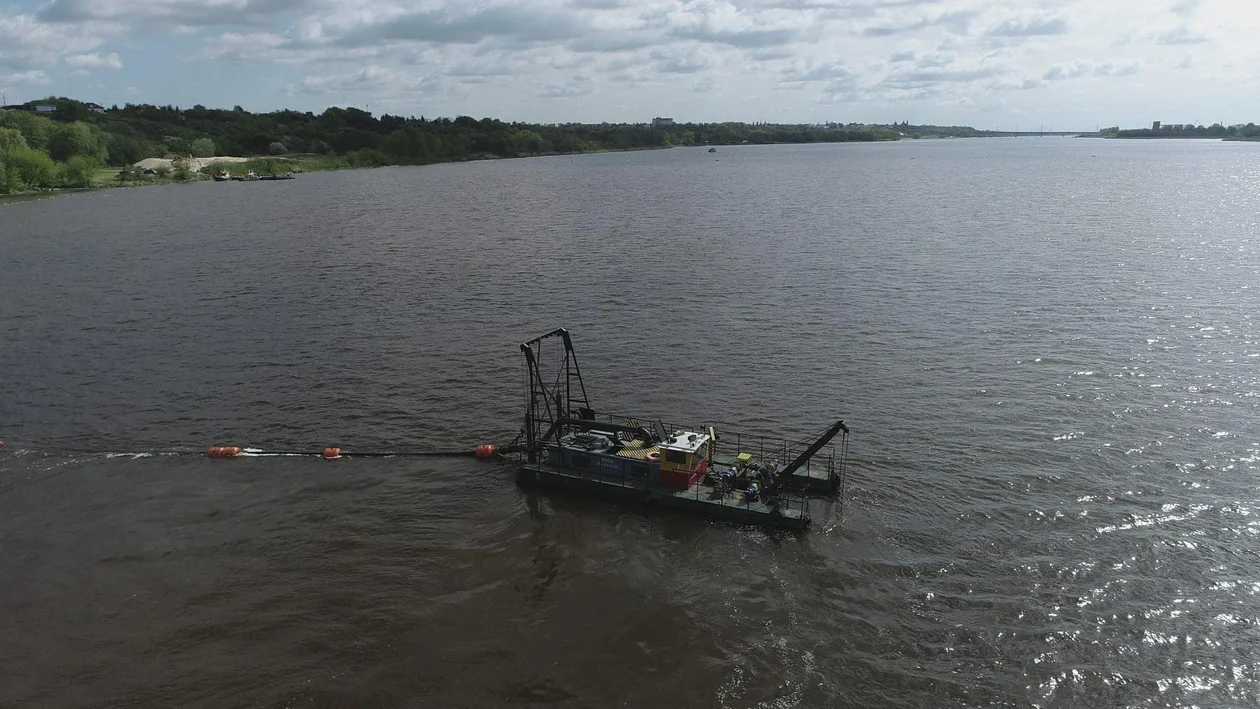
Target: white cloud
193	13
1038	26
372	79
1181	35
929	60
26	42
25	78
94	61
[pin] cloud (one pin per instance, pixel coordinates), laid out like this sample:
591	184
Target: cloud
747	38
519	22
27	43
370	79
770	54
722	23
1071	71
94	61
825	71
1079	69
194	13
1042	26
935	61
574	87
927	77
1180	35
686	63
1185	8
957	22
528	59
1118	69
27	78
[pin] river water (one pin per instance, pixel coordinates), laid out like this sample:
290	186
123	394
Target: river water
1047	350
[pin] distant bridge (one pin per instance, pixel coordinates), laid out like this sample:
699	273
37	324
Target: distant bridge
1024	134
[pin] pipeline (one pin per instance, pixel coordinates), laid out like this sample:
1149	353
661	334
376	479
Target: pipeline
334	453
483	451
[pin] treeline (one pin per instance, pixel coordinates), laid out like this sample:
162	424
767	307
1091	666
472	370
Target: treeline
360	137
37	153
1249	131
63	147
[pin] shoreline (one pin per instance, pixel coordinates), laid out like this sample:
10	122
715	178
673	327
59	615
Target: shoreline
306	164
300	166
1224	139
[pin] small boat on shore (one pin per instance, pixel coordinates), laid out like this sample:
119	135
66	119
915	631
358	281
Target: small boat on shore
222	177
250	177
280	176
691	469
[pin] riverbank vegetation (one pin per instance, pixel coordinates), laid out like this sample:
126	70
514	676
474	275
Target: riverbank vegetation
71	144
1249	131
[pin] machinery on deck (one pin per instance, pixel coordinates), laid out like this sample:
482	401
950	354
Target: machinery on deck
697	469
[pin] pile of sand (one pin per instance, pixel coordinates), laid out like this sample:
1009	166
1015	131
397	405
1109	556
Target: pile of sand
194	164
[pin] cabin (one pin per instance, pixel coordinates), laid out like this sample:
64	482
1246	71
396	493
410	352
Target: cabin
684	459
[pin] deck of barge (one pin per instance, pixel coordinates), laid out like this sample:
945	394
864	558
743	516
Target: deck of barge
701	499
813	478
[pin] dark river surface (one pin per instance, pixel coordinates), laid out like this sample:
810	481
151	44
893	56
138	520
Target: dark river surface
1047	350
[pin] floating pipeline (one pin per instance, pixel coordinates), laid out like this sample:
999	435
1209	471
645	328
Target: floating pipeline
484	451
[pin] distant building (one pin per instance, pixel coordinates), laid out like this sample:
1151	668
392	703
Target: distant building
1155	126
662	122
94	107
32	106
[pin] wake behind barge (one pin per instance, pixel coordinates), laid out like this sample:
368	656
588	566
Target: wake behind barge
691	469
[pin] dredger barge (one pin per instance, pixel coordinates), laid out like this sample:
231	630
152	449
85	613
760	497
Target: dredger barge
697	470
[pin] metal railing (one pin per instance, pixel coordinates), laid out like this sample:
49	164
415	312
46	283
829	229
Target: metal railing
602	470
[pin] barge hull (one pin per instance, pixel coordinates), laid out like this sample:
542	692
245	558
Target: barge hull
699	500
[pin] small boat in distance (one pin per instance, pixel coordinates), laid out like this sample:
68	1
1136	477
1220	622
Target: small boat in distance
250	176
279	176
713	150
223	177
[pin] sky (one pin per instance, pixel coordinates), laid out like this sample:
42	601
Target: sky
1008	65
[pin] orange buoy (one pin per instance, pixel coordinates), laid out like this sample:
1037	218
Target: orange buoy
1	444
331	453
224	452
485	450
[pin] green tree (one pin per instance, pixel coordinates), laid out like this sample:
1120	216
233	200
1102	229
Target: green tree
175	145
69	140
162	171
203	148
11	140
9	180
77	172
35	129
182	173
124	150
33	167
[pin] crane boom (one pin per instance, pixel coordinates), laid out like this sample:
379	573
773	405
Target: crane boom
823	440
